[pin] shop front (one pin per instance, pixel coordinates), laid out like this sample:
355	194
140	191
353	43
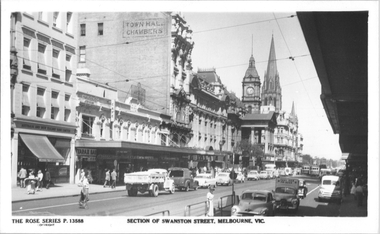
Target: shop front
126	157
43	145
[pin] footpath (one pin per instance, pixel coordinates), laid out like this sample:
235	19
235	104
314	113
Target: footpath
348	208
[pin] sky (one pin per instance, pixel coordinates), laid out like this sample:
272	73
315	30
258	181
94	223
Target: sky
226	40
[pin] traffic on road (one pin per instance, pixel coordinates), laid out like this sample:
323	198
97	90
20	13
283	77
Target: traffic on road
175	192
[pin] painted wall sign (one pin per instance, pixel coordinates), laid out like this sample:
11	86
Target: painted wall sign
86	152
42	127
144	28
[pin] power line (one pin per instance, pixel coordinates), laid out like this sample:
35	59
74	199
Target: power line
292	57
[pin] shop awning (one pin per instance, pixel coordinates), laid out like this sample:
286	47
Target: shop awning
41	147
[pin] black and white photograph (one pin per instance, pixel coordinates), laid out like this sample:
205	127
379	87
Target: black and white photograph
189	117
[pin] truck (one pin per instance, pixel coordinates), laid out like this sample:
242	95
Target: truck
184	179
286	194
152	181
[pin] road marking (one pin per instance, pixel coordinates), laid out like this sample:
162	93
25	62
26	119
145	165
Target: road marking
68	204
312	190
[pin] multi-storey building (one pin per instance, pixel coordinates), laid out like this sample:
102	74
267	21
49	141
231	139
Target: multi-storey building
43	68
214	118
259	123
287	142
146	56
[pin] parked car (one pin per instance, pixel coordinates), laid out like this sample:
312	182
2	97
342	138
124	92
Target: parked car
264	175
330	189
223	178
183	178
205	180
255	203
253	175
270	174
240	177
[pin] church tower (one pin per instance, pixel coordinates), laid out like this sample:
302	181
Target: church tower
271	91
251	88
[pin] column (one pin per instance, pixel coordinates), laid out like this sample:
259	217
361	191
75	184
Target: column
14	162
72	160
252	136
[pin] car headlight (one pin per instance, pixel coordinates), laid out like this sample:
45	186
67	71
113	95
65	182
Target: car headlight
234	210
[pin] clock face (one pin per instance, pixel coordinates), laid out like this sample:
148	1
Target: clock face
249	90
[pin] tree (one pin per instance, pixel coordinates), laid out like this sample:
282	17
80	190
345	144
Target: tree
307	159
246	148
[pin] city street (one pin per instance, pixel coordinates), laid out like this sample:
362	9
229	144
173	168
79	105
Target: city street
119	204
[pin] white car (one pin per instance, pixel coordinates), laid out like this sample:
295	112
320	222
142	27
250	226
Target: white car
253	175
205	180
264	175
223	178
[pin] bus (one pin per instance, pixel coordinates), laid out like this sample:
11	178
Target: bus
314	171
305	170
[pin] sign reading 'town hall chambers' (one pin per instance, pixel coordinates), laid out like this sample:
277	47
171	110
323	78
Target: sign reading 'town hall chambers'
144	28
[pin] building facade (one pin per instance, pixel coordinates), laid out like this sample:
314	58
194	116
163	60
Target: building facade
214	118
288	142
43	86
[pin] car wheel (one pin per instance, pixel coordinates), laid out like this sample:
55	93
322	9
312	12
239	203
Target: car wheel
319	199
155	191
172	190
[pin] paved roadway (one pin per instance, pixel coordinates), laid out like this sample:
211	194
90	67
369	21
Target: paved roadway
119	204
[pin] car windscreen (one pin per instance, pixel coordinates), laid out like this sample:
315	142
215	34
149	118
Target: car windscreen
253	196
285	190
176	173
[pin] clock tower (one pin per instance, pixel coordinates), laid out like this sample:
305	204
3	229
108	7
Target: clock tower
251	88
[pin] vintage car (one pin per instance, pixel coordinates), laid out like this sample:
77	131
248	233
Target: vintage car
205	180
286	194
264	175
240	177
253	175
223	178
152	181
183	178
330	189
255	203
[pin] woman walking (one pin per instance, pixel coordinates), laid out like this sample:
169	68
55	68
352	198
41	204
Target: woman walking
84	196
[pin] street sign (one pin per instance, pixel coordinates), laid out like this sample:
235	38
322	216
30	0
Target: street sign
233	175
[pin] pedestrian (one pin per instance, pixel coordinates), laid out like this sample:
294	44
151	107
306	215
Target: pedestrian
47	178
22	175
113	177
84	192
210	202
353	190
107	179
90	179
81	174
359	193
40	182
31	181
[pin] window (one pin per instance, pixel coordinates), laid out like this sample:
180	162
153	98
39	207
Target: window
42	16
83	29
55	68
54	105
100	29
41	67
40	102
55	19
25	100
68	22
87	122
26	59
67	115
68	71
82	54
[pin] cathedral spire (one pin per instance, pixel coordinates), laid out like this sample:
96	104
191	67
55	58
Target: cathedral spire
293	113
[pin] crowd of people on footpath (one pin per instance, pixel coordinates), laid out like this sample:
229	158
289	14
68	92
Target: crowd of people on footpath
33	182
